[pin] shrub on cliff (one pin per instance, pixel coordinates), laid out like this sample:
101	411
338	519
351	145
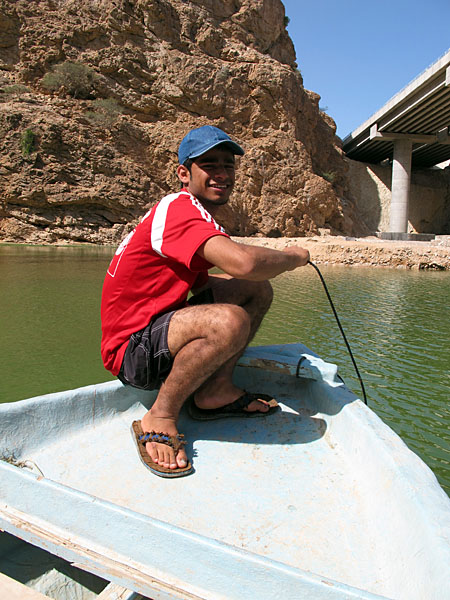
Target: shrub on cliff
74	79
15	89
104	113
27	142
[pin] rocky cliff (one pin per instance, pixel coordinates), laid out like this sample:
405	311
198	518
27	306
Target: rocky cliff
95	96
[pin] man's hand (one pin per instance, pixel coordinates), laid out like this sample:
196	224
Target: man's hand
300	253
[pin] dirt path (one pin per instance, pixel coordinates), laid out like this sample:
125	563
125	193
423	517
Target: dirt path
369	251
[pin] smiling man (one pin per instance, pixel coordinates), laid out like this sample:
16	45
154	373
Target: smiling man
154	338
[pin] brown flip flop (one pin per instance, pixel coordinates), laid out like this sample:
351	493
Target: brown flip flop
235	409
140	439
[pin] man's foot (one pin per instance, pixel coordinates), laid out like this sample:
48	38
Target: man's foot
222	395
246	404
162	454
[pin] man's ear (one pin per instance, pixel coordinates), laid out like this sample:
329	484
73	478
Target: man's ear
183	174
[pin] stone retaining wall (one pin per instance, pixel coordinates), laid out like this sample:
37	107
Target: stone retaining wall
429	209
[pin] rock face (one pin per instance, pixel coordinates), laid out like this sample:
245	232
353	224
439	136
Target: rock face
83	158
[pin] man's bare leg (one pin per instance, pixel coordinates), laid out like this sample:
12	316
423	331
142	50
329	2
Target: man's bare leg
256	298
201	339
206	342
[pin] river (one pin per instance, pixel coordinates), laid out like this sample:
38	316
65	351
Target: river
397	323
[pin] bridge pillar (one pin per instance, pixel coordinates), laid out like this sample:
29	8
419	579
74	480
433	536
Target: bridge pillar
401	179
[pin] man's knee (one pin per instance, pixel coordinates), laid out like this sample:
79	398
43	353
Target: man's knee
261	294
242	291
266	292
233	324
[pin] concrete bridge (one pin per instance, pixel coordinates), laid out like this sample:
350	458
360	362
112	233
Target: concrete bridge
412	130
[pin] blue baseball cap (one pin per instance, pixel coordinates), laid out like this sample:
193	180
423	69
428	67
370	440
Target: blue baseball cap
200	140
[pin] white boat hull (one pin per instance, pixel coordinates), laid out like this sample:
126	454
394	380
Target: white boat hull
321	500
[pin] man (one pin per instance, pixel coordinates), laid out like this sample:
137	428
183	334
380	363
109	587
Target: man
153	337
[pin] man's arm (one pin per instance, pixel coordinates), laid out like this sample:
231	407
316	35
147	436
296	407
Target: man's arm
251	262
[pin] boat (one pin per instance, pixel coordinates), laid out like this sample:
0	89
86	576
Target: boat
320	500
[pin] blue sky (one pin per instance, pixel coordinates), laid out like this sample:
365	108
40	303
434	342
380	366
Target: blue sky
357	54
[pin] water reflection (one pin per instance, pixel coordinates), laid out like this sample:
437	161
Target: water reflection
50	299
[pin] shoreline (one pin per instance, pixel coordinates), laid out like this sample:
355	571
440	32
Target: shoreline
369	251
335	250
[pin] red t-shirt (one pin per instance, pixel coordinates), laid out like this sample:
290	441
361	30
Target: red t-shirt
153	270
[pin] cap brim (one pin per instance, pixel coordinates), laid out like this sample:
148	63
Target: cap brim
235	148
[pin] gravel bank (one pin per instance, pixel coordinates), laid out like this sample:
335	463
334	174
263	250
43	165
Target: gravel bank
367	252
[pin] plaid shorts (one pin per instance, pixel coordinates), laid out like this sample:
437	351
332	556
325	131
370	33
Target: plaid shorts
147	360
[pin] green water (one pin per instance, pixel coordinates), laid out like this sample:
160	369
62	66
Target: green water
397	322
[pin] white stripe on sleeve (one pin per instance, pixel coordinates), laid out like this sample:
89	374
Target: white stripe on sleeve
205	214
159	223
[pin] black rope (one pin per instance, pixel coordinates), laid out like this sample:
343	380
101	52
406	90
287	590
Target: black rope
341	329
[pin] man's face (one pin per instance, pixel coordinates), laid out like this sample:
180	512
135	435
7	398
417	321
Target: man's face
212	176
